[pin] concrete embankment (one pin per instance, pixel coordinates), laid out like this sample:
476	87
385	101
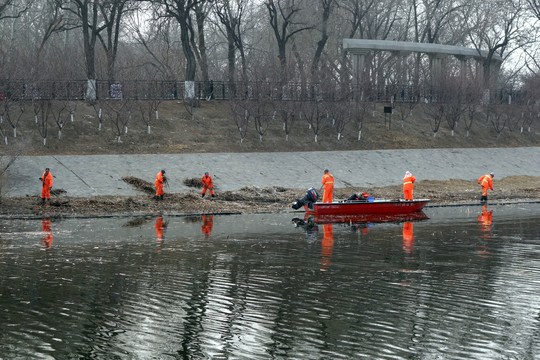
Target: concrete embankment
97	175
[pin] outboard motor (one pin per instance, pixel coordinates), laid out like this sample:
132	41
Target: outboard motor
311	197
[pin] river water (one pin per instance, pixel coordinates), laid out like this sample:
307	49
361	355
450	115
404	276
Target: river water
463	283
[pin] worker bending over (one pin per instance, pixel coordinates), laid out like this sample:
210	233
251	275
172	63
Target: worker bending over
486	182
160	180
46	185
207	184
408	181
328	183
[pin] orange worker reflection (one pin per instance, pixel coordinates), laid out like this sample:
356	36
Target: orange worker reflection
208	224
327	245
485	220
159	229
47	236
408	237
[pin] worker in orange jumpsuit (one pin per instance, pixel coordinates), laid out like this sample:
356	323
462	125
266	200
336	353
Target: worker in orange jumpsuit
46	185
408	181
328	184
208	224
160	180
327	245
408	237
47	237
208	184
486	182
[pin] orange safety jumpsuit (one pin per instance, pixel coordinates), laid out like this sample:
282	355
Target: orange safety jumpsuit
328	183
327	245
207	184
208	224
159	184
486	182
408	181
46	185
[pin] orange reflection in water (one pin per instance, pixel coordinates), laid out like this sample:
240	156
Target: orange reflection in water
208	224
47	237
485	220
408	237
327	245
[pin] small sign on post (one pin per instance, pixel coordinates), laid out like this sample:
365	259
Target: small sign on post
388	110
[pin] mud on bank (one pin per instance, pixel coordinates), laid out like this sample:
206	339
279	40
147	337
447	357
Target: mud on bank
254	199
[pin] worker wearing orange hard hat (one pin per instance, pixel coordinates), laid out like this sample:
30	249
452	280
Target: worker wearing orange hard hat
486	182
408	181
328	184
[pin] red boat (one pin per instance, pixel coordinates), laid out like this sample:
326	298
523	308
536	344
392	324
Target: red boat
385	207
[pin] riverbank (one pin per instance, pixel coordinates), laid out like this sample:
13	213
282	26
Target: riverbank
252	199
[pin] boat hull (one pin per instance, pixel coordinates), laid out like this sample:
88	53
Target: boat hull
374	207
369	218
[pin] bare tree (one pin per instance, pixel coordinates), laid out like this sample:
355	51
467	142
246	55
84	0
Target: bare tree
231	14
61	116
314	113
44	113
436	111
118	114
284	17
241	115
288	114
498	116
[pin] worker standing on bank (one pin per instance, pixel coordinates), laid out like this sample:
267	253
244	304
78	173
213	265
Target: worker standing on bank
46	185
408	181
208	184
486	182
160	180
328	184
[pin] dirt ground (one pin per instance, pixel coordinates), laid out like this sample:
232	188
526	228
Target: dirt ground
213	130
259	200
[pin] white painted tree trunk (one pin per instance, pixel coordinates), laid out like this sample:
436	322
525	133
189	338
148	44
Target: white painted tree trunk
316	137
260	138
125	129
71	117
453	133
434	134
157	115
1	119
286	137
284	126
309	127
44	141
119	139
338	136
468	133
99	127
59	134
521	130
149	131
5	140
14	132
36	119
359	134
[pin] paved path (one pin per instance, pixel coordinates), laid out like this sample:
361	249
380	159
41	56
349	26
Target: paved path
93	175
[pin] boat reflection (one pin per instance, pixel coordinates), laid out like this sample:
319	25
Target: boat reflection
47	237
369	218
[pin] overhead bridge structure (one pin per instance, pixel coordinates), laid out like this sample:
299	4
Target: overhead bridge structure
359	48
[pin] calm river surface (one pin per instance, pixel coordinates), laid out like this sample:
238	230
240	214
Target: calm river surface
462	284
